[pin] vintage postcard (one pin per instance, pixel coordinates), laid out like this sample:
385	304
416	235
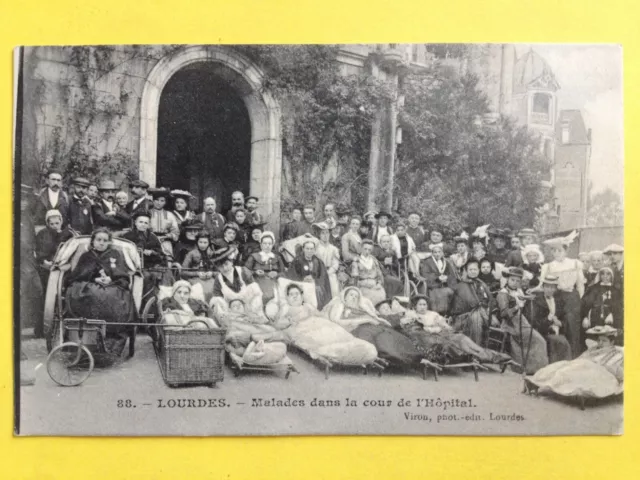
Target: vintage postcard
359	239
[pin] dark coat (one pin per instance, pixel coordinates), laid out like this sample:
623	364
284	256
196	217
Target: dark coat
514	259
144	206
146	241
537	312
92	262
300	268
382	255
469	294
417	234
213	224
119	221
48	241
42	205
80	215
429	270
601	300
236	285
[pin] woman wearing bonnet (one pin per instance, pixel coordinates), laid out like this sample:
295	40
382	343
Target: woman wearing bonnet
266	266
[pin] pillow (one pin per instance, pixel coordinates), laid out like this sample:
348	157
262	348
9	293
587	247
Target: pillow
308	291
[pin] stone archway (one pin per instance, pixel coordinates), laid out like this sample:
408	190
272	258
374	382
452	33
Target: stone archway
264	113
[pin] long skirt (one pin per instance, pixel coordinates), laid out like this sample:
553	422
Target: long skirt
112	304
527	346
449	347
558	348
472	324
392	345
323	338
570	304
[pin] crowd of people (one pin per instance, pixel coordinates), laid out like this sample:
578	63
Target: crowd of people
385	291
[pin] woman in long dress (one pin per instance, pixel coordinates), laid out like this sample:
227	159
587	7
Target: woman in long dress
302	325
528	347
330	256
366	272
198	266
440	279
441	344
471	304
98	287
596	373
266	266
47	242
356	314
571	284
352	241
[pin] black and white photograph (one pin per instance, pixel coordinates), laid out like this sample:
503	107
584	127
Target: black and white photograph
349	239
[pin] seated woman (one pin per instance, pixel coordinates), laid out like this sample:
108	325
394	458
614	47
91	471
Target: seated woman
253	243
597	373
439	277
303	326
98	288
188	239
533	259
389	262
472	304
431	332
356	314
47	242
528	347
487	270
306	267
198	267
366	272
244	227
602	303
229	237
232	283
180	308
266	266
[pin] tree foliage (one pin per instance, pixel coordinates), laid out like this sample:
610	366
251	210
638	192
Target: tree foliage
604	209
457	169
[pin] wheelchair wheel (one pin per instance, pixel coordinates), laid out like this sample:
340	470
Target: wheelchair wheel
150	317
69	364
53	337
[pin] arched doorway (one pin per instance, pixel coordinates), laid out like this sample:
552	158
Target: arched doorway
239	81
204	136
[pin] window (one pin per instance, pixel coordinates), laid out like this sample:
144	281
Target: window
541	108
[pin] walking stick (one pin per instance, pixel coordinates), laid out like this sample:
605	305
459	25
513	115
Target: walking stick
525	357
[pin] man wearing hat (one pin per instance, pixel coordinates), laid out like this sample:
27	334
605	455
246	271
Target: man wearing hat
105	211
80	207
381	227
515	258
51	197
546	317
498	250
140	202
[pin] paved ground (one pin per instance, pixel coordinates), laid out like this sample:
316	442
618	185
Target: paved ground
496	405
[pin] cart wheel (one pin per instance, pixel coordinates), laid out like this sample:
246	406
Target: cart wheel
70	364
149	318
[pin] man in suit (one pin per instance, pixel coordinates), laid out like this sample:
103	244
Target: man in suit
381	227
545	314
616	258
80	207
213	222
237	203
140	202
106	212
51	197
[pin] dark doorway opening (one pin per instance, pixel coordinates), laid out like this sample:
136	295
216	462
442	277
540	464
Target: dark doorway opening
204	136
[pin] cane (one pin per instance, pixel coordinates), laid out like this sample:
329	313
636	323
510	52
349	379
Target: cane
525	357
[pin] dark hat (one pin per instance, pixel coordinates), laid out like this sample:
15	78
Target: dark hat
138	183
192	225
387	301
415	299
223	254
513	272
384	214
251	197
181	194
107	185
497	232
414	212
160	192
259	225
606	330
460	239
342	210
81	181
140	213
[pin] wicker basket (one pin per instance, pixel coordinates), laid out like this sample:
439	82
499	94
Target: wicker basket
190	356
